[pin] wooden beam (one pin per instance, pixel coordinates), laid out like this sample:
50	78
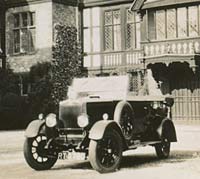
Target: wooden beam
92	3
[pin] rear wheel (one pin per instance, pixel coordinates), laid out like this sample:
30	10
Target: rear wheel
124	116
105	154
36	154
163	149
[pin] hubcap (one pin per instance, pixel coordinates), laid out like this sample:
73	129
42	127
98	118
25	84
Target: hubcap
108	151
126	123
38	149
165	147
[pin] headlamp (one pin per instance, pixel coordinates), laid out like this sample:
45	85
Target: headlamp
83	120
51	120
105	116
41	116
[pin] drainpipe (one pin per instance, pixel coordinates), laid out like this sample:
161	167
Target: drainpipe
3	37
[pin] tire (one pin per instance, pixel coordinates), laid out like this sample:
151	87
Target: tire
105	154
124	116
34	153
163	149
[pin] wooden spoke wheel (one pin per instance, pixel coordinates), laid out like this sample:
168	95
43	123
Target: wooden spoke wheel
36	154
124	116
105	154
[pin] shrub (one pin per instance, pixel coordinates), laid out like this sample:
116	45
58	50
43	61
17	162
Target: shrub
41	88
8	82
10	102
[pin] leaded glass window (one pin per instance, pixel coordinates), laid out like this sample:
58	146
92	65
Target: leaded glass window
171	23
130	30
160	24
112	30
182	22
193	21
174	23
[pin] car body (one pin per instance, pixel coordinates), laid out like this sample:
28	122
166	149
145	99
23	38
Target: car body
101	118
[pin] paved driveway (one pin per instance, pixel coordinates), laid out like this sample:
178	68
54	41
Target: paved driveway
184	162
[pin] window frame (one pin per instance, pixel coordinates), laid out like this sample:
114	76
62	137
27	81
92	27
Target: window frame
25	85
123	26
90	27
177	34
30	26
112	25
134	43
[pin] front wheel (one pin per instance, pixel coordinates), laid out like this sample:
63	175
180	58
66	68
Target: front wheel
163	149
105	154
36	155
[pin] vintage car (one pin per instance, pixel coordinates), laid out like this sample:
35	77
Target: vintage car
101	118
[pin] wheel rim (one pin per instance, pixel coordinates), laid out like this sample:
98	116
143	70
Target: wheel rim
38	149
108	151
126	123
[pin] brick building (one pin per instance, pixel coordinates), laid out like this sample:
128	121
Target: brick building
29	31
162	35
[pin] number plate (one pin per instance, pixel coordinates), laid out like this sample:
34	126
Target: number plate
65	155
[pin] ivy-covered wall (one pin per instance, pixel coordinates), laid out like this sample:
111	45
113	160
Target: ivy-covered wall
65	15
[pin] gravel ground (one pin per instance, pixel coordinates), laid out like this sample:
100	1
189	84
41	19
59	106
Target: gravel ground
184	162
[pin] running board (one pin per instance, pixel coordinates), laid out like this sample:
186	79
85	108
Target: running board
138	143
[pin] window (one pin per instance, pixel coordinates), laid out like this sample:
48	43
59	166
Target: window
117	27
160	24
132	30
24	32
25	85
193	20
91	18
182	22
112	30
172	23
151	25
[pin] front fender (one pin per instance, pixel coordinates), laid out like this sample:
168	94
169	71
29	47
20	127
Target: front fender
167	129
99	128
33	128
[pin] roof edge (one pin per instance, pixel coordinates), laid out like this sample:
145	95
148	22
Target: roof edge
137	5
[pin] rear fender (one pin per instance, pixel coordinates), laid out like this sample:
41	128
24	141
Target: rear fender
167	129
99	128
34	127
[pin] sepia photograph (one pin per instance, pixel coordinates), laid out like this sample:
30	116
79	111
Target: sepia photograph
99	89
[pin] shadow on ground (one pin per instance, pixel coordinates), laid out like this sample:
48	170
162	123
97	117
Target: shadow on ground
139	160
